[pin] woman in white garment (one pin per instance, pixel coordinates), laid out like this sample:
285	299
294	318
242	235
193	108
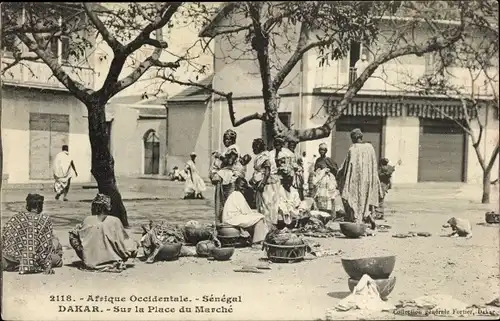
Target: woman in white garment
238	213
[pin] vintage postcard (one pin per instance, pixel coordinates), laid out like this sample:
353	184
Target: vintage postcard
245	160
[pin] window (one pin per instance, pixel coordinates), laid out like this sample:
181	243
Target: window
429	62
65	49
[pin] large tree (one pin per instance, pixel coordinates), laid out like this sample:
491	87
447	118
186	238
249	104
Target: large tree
279	34
468	71
126	28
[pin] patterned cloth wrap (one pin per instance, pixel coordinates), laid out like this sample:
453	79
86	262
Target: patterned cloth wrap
28	240
156	235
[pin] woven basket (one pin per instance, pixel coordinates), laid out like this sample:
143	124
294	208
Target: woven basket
285	253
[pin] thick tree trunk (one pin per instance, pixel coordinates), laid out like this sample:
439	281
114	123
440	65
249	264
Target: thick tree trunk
103	164
486	187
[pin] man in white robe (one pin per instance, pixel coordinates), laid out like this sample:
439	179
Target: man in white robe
63	169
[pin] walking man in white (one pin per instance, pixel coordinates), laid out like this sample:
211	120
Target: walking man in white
63	168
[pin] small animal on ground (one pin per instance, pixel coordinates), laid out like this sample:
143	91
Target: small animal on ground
460	227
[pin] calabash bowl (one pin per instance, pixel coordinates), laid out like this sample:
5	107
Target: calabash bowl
352	230
379	267
384	286
222	253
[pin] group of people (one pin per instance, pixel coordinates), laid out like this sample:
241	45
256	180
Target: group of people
277	195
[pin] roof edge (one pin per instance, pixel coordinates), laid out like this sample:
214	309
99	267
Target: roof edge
224	10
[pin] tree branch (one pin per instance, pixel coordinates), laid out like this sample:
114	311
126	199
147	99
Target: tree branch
493	158
115	45
431	45
228	96
79	90
18	57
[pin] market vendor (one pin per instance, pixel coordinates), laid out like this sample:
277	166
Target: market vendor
238	213
290	207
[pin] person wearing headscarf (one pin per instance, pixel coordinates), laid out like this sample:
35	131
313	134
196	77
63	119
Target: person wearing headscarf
63	169
298	167
29	243
385	172
224	170
238	213
358	181
283	157
290	206
265	181
194	185
324	184
101	241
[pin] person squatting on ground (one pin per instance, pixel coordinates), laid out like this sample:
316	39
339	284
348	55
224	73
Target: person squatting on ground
358	181
29	243
101	241
63	169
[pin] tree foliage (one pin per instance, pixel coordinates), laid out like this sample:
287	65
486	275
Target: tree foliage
277	35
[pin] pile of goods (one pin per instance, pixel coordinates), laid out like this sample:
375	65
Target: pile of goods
161	241
195	232
284	246
377	268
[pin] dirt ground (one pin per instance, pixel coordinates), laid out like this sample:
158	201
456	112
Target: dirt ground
467	269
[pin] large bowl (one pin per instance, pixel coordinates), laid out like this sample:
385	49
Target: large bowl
384	286
169	252
222	253
376	267
352	230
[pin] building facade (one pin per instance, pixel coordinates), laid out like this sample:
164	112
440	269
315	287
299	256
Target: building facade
401	125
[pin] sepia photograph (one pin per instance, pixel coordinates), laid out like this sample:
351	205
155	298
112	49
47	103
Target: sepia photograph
250	160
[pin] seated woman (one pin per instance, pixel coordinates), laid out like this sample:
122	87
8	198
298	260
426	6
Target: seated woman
238	213
290	207
101	242
29	244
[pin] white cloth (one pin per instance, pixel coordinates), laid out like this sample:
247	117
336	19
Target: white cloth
365	296
360	66
237	212
194	182
62	166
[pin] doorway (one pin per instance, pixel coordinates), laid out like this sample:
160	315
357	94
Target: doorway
151	153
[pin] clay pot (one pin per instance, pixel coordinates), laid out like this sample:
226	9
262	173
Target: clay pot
376	267
169	252
204	248
352	230
227	231
222	253
384	286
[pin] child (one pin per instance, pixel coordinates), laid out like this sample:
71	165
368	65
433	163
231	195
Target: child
385	172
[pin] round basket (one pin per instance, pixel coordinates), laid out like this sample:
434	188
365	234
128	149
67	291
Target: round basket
230	241
285	253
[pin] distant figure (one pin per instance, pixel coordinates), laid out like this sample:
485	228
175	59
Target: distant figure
177	175
195	185
361	65
63	169
358	181
460	227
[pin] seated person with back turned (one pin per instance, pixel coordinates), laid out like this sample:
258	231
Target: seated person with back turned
29	243
101	241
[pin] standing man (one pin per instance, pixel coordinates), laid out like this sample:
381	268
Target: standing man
361	65
63	169
358	181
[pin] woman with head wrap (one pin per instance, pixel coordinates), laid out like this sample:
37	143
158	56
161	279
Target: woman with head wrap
265	181
29	243
324	184
298	167
283	157
358	181
194	185
100	241
225	168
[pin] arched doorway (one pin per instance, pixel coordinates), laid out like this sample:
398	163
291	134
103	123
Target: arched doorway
151	152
